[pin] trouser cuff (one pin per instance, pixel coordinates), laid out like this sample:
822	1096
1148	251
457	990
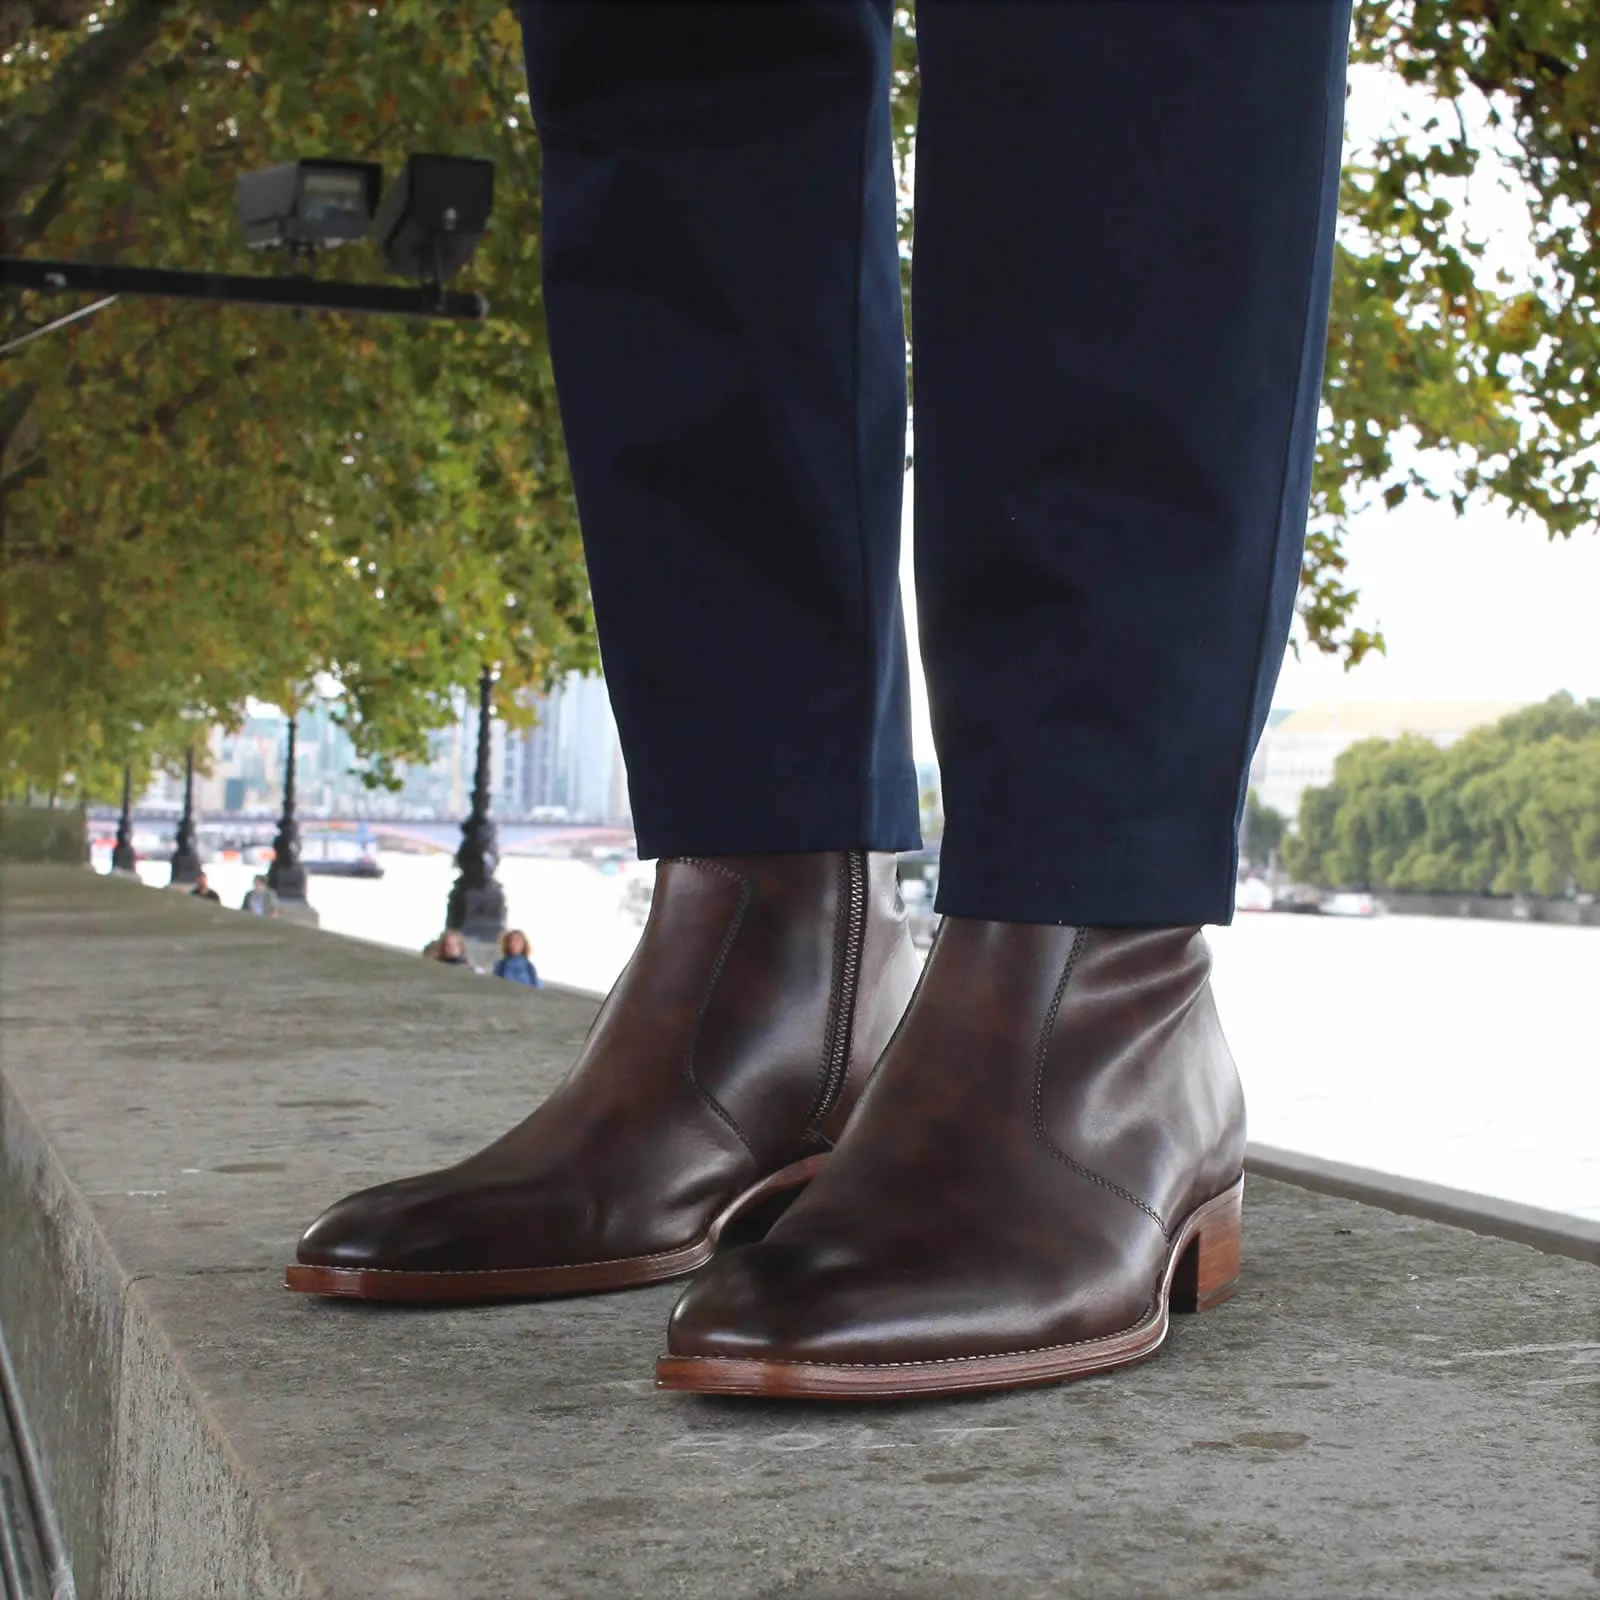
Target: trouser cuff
1149	878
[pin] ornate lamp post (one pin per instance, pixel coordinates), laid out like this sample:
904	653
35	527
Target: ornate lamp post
477	902
123	858
286	875
185	855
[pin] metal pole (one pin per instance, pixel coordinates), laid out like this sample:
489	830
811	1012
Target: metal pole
186	857
305	294
60	322
46	1530
123	856
286	875
477	903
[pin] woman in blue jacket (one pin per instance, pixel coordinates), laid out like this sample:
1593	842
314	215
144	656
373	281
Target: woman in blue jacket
514	963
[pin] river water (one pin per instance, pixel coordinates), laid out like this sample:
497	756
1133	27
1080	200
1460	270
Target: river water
1460	1052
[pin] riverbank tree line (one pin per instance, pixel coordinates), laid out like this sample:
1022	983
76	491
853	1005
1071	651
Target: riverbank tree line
1512	808
199	504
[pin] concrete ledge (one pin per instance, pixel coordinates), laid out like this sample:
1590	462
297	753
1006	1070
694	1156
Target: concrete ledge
1390	1406
1553	1231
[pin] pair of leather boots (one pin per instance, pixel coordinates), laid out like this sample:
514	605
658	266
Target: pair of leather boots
1004	1172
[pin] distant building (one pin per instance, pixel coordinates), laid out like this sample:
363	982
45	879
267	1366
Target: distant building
1299	748
246	771
568	764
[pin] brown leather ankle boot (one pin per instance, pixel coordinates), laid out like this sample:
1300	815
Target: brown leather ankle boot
1049	1154
721	1069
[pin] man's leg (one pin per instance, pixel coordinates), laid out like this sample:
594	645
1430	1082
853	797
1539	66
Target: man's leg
723	292
1124	238
723	287
1124	235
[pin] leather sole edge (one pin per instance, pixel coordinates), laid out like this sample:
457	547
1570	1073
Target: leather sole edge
802	1380
383	1284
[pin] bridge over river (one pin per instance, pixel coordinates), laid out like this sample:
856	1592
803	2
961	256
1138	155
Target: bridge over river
154	831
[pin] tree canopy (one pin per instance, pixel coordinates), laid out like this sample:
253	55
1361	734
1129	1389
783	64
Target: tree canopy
199	503
1427	351
1513	808
1262	832
203	502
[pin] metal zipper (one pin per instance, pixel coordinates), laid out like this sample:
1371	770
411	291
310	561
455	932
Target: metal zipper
846	979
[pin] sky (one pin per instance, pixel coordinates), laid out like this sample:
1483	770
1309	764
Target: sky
1480	607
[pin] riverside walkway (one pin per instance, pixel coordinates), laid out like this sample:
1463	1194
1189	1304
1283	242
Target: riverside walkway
1391	1405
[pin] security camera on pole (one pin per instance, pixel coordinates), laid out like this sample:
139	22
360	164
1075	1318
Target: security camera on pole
427	228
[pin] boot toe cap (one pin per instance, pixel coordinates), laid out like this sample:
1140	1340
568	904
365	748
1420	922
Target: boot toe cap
415	1225
455	1223
746	1304
354	1232
807	1302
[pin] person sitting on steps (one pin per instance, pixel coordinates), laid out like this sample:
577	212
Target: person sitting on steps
515	964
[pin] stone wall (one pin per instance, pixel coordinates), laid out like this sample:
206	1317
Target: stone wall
44	833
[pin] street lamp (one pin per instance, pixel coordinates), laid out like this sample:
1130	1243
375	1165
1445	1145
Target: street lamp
185	856
123	856
286	876
477	903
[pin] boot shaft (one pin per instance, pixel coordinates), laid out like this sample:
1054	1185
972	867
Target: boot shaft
778	980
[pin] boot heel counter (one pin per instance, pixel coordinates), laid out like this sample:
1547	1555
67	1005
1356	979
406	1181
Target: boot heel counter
1227	1094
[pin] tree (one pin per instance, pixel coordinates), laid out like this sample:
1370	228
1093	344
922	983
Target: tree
196	503
1307	849
1422	351
1380	816
1513	808
1263	831
1501	381
200	503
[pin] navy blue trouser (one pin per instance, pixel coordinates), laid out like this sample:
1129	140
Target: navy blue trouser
1124	224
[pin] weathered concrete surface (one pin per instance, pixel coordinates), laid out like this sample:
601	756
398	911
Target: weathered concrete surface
1390	1406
